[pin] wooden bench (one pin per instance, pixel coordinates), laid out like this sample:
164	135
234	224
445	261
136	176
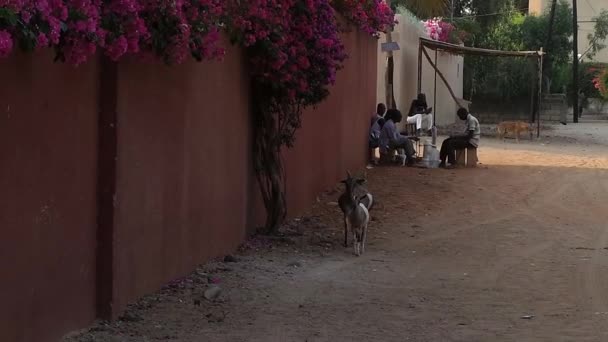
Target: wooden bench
391	157
467	157
410	132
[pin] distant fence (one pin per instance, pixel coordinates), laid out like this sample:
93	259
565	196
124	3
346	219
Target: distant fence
118	178
554	109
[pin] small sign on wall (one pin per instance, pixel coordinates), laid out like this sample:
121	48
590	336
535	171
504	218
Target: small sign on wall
387	47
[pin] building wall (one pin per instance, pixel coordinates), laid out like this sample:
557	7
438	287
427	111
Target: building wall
118	178
185	187
183	170
407	33
587	10
334	137
48	175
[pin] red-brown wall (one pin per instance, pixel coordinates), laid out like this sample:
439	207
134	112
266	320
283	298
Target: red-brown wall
334	137
48	146
175	178
183	170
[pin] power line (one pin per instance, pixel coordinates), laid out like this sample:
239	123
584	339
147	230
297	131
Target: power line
588	3
492	14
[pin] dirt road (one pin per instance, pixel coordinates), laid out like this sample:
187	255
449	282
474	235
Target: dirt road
515	250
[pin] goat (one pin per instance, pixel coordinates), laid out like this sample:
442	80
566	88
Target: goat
355	203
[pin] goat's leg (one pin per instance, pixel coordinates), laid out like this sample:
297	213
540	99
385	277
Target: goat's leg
345	232
363	239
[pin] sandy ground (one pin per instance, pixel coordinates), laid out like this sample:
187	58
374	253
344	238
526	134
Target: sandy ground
514	250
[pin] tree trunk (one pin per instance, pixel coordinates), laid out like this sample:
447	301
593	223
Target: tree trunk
268	165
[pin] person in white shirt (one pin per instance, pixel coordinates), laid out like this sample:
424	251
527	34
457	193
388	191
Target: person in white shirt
391	138
420	114
453	143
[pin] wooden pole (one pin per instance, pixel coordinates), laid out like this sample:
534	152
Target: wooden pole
441	77
547	62
420	47
533	67
435	93
575	61
390	96
540	92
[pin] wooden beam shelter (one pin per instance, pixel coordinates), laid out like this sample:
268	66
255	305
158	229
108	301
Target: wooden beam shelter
465	50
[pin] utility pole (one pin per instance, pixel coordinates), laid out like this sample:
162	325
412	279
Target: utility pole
547	57
575	61
452	13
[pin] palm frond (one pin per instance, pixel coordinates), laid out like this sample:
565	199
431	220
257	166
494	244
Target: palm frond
425	8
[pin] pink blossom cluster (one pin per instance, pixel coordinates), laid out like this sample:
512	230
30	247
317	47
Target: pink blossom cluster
439	30
124	28
293	45
182	28
71	26
6	43
600	82
170	29
80	39
370	16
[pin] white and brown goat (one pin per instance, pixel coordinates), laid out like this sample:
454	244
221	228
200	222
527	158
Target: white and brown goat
355	203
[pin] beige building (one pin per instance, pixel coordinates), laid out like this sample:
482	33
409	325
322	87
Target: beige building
587	10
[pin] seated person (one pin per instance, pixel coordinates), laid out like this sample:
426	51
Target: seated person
391	138
453	143
376	127
420	114
380	110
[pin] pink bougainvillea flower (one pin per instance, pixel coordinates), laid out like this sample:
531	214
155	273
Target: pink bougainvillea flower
6	43
371	16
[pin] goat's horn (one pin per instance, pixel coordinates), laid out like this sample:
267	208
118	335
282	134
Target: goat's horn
348	173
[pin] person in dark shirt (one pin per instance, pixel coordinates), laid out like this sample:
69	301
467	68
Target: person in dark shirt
376	127
391	138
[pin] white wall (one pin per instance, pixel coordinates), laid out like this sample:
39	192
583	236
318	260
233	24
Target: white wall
407	33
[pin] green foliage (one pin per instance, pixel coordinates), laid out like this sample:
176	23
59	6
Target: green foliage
423	9
587	73
598	37
469	29
503	79
407	15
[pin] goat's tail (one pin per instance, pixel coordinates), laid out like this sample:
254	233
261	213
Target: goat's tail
368	201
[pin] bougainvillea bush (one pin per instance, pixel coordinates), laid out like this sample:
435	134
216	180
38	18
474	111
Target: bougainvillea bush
71	27
170	30
179	29
294	48
600	82
370	16
294	51
442	31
